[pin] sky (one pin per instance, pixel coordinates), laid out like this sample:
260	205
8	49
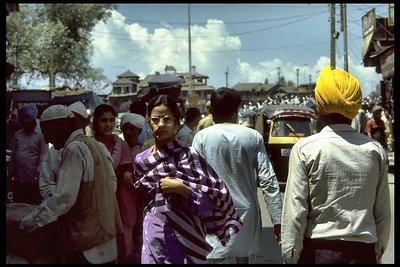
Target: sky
249	40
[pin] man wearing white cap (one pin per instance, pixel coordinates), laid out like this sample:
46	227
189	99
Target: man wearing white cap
84	202
50	165
81	116
131	126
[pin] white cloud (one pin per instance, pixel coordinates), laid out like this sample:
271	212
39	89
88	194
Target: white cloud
120	46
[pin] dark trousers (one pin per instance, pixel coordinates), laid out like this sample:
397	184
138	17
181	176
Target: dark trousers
322	251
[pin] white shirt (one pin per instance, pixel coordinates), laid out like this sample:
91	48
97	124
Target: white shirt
76	163
337	188
238	155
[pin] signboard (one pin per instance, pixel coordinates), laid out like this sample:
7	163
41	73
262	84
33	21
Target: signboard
391	15
369	22
387	63
368	28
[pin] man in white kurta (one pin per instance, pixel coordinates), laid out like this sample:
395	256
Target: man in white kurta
75	167
336	208
237	153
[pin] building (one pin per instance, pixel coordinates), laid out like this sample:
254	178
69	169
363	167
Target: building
378	51
200	93
124	90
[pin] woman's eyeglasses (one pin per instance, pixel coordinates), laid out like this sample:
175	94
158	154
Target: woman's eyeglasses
166	119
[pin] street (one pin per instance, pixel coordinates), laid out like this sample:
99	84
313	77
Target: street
270	252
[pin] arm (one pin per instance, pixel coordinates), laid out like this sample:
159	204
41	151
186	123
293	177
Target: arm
47	176
43	151
124	170
270	188
76	164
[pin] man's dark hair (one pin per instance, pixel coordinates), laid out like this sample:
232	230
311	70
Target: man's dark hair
224	103
191	114
138	107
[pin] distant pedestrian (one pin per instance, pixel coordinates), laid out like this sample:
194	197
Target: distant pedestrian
188	129
375	127
132	125
336	208
12	126
207	120
359	122
140	107
28	150
387	120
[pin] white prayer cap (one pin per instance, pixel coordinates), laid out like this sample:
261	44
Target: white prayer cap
133	118
79	107
56	112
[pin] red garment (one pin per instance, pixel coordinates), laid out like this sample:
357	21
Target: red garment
127	195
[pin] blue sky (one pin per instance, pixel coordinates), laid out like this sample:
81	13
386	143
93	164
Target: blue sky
252	40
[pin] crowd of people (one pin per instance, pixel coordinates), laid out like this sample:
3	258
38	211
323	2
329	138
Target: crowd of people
173	187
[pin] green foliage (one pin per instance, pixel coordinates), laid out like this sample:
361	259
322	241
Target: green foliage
54	41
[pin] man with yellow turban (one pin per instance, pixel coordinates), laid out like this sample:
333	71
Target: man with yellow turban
336	206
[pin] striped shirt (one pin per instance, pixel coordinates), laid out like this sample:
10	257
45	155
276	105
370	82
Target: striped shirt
190	222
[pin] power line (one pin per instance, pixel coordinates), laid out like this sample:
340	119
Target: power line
222	51
225	22
204	37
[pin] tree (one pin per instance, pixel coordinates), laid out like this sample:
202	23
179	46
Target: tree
53	41
290	83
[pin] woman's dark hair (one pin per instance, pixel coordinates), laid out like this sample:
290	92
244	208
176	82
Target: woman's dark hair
138	107
100	110
169	102
224	103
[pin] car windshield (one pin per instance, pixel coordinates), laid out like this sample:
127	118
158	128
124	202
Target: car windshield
293	127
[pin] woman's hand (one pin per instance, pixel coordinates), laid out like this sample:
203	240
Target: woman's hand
171	185
128	177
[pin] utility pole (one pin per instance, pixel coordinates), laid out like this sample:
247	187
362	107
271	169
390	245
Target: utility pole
333	36
226	76
190	55
343	29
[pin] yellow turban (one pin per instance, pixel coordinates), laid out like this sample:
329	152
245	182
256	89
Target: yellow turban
337	91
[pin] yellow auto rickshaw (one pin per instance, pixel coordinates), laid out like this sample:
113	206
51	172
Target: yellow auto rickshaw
282	126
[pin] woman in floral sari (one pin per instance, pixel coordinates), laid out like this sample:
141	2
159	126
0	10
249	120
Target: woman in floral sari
183	196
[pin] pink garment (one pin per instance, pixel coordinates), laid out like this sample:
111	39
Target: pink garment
127	195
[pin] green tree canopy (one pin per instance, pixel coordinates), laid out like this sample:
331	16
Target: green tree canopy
54	41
